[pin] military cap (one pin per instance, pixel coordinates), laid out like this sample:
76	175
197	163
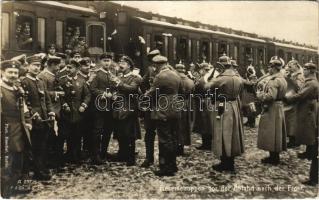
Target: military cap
180	67
234	63
224	60
21	58
61	55
153	53
52	46
277	62
128	60
85	61
74	63
34	59
53	60
310	65
159	59
109	55
10	64
204	65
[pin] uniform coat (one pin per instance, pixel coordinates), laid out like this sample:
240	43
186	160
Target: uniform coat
294	84
307	109
185	125
228	132
272	127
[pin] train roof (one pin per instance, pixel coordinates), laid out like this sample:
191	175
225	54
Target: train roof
180	26
294	47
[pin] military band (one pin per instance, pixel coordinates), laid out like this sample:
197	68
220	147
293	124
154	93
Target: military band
71	100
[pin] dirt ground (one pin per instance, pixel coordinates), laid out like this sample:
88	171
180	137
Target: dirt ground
195	178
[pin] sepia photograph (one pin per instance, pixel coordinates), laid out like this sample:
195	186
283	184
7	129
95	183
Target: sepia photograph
159	99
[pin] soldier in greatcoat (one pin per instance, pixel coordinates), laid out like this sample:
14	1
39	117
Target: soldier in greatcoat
272	127
228	133
307	109
295	80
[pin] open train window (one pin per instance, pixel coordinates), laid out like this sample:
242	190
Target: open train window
260	56
248	55
148	43
74	34
159	42
24	32
289	56
281	54
204	51
182	49
41	34
222	48
5	30
96	35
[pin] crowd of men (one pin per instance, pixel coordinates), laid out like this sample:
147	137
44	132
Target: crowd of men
58	109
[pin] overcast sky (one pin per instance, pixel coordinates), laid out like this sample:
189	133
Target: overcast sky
293	20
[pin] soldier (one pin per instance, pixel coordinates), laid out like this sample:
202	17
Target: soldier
167	83
185	125
62	68
85	74
102	88
306	99
74	103
202	113
14	125
272	127
56	138
40	106
126	114
295	81
149	124
228	130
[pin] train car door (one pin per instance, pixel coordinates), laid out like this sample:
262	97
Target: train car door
96	37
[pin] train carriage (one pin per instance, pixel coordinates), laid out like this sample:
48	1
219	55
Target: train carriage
29	27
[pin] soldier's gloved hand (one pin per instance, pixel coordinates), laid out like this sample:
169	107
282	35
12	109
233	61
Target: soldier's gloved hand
51	116
66	108
60	93
29	126
82	107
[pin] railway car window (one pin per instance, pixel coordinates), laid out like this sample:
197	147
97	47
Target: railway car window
41	34
248	54
281	53
159	41
197	49
204	51
174	47
5	30
96	36
222	48
190	49
24	32
59	34
260	55
235	52
74	34
182	49
289	56
148	42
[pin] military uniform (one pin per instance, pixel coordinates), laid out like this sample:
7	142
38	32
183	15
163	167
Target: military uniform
166	82
295	82
14	117
272	128
77	94
307	108
126	116
38	101
185	123
149	124
103	117
56	141
228	133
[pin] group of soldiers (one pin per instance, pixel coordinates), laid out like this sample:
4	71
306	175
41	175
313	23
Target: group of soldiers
57	109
